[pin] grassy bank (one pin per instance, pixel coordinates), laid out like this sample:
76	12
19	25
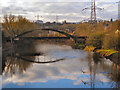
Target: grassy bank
106	53
100	52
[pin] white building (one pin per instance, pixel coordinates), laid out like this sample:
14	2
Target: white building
39	22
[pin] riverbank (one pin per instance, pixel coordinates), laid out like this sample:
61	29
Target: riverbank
102	53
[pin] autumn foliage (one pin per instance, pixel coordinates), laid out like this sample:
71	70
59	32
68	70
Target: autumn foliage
14	25
101	35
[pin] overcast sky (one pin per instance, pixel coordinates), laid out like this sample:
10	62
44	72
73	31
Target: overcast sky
70	10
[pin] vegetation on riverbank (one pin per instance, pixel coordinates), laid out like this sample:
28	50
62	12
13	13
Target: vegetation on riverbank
102	35
103	38
89	48
111	54
103	52
100	52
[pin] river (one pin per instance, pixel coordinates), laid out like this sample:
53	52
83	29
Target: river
77	69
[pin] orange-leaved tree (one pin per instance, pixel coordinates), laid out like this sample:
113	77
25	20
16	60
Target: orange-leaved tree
15	25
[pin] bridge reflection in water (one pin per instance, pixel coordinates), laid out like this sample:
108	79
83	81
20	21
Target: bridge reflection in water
83	68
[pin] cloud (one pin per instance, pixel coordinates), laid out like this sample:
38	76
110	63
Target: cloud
49	10
44	73
71	68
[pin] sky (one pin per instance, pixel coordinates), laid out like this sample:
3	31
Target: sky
69	10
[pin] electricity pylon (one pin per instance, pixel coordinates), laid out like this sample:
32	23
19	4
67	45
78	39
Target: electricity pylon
93	9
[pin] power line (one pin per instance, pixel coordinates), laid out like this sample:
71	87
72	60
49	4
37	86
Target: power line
93	9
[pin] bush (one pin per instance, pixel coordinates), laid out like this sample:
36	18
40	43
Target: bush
111	42
95	39
103	52
89	48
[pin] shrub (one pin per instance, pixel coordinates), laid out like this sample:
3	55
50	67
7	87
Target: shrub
89	48
95	39
103	52
111	42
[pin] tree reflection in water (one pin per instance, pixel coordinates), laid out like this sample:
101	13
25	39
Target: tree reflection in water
113	71
13	64
22	58
92	69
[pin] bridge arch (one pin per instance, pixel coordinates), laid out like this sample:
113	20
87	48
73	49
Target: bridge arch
44	29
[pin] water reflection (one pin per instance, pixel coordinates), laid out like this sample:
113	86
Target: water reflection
80	69
13	65
110	69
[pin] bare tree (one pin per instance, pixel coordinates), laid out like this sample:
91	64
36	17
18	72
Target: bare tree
14	25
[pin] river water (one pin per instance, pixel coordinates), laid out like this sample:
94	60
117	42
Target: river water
77	69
